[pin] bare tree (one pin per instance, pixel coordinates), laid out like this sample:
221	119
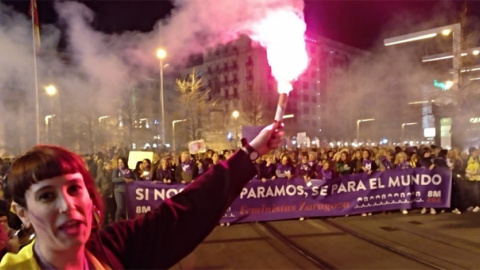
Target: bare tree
253	111
195	102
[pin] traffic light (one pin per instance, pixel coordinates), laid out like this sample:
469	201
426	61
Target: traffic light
443	85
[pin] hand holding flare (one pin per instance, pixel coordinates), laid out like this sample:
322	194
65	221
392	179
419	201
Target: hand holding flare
283	90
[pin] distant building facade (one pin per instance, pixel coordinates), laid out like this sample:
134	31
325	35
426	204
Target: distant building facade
238	74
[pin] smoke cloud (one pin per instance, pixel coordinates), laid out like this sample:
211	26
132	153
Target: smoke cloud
96	69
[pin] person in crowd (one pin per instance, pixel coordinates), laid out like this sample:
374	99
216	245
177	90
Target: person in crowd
104	185
426	159
440	160
121	176
325	173
54	194
387	160
147	173
91	164
187	170
227	153
267	169
258	165
8	240
414	160
175	160
313	160
284	169
472	173
322	154
215	158
402	164
357	161
455	163
3	169
155	164
204	164
343	164
330	154
303	169
368	165
464	156
98	158
138	171
401	161
165	173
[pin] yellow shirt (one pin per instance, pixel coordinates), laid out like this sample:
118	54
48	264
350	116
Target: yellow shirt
473	169
25	259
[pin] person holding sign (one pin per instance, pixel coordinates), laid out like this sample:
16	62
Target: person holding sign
55	194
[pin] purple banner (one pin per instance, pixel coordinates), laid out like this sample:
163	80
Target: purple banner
286	199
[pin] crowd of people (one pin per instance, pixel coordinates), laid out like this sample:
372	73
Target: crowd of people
111	172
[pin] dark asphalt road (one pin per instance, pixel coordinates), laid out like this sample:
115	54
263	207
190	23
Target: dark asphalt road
381	241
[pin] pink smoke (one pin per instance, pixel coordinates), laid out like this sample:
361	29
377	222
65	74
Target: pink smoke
282	33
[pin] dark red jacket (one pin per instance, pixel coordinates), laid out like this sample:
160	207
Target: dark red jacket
162	237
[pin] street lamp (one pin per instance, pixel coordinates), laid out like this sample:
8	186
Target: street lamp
430	33
235	115
358	126
51	90
161	54
407	124
173	130
102	117
48	123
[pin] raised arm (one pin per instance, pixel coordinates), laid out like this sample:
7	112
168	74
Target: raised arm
162	237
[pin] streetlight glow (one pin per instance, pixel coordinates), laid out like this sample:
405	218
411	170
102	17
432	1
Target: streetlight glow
102	117
235	114
161	54
448	85
51	90
389	43
47	118
446	32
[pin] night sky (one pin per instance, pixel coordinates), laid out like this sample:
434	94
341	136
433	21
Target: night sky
355	22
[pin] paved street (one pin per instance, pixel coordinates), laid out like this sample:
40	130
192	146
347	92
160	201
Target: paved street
381	241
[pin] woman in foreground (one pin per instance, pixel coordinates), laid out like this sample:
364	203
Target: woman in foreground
54	193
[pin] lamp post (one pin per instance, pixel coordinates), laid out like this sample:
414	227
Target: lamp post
407	124
51	91
161	54
235	115
48	123
456	31
358	126
173	130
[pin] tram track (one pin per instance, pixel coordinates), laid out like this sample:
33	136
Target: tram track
339	243
305	253
324	264
384	246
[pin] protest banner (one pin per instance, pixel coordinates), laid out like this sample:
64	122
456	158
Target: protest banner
286	199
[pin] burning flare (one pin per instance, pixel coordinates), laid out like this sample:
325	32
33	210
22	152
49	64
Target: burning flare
282	32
